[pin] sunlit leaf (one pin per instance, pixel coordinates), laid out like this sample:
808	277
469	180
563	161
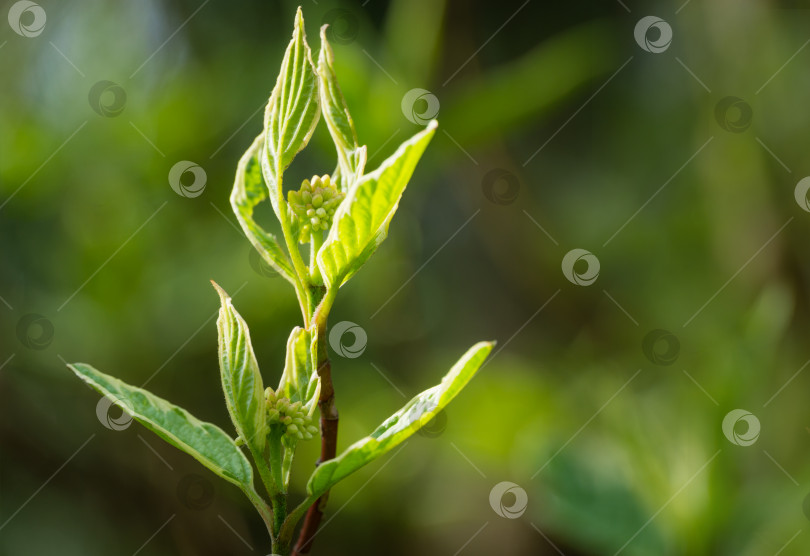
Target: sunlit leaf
351	156
292	112
249	190
241	379
299	382
206	442
401	424
361	221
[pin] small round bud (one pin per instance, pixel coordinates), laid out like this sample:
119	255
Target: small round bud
313	206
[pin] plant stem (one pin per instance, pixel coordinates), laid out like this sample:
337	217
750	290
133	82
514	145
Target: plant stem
264	472
264	510
279	502
301	275
329	424
287	531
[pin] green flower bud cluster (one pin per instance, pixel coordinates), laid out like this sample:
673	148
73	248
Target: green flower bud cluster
292	416
315	205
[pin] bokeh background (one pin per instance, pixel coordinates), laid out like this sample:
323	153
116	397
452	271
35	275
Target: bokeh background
559	130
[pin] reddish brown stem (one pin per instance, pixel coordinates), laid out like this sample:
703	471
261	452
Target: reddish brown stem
329	429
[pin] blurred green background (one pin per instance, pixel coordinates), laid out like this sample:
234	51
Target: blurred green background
617	441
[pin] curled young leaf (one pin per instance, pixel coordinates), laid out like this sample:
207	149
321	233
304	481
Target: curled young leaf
401	424
241	379
205	442
361	221
249	190
292	113
299	382
351	156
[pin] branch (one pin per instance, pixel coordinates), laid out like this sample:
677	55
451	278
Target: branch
329	429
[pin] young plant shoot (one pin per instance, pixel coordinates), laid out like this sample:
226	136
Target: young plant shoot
336	221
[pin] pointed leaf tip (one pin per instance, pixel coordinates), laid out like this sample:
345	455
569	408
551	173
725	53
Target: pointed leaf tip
223	295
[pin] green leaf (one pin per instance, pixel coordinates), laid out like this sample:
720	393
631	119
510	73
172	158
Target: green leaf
401	424
351	156
300	382
361	221
292	112
249	190
206	442
241	379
